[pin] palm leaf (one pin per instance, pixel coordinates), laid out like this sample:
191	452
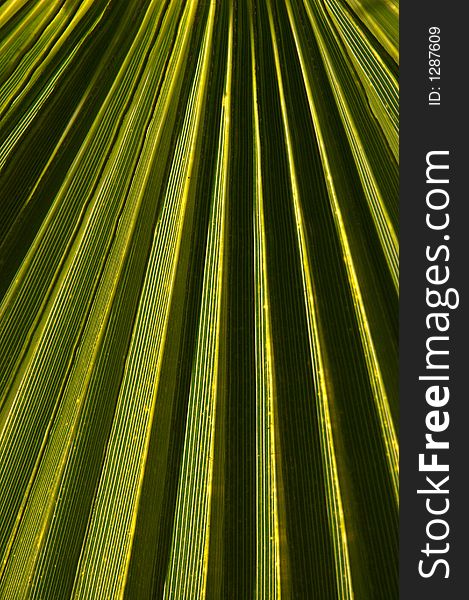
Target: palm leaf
199	283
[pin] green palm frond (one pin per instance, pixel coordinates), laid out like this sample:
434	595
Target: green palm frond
199	288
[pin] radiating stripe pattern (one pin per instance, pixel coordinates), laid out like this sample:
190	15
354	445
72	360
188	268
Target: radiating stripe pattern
199	281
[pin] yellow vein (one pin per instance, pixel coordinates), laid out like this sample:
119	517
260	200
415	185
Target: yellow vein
383	224
387	36
188	563
39	57
10	9
268	583
28	116
107	547
81	181
334	502
379	391
39	509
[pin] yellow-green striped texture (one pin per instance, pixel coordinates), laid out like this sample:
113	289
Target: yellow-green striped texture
199	280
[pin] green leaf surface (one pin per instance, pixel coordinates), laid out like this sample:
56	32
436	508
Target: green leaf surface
199	280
